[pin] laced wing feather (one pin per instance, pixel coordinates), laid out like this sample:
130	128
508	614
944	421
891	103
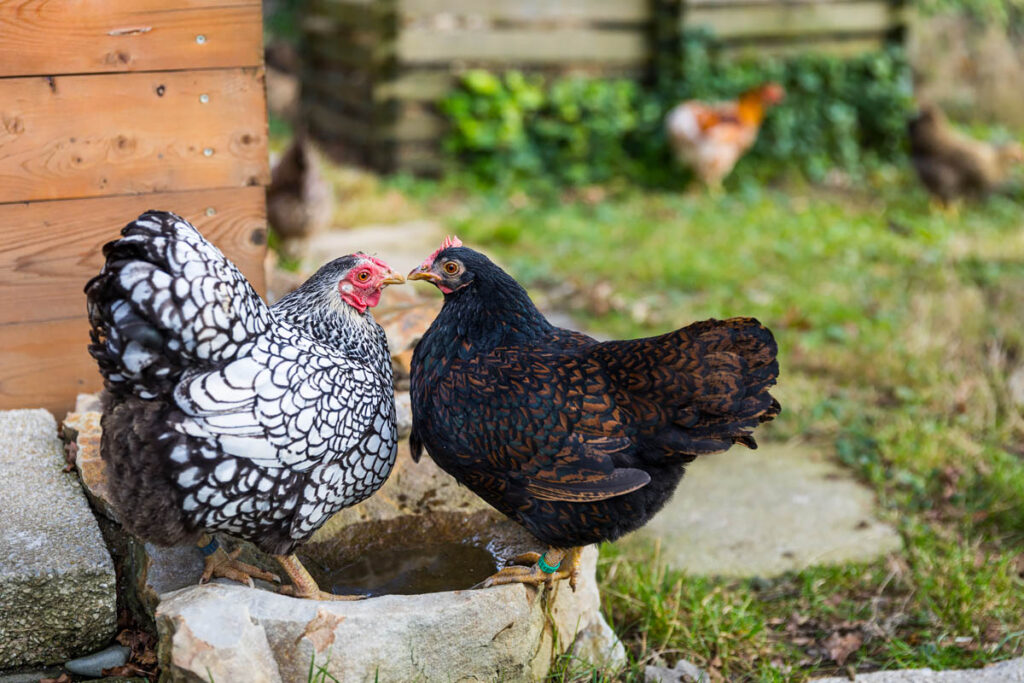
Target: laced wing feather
583	471
165	299
289	405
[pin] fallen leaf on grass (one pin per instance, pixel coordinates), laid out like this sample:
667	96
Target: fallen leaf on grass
63	678
839	646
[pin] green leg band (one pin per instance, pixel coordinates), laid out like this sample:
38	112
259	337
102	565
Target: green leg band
547	568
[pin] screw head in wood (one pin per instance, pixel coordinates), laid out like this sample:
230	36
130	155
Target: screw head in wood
200	39
208	152
210	211
204	98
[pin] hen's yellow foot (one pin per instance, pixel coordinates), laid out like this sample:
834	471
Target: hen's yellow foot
221	564
303	584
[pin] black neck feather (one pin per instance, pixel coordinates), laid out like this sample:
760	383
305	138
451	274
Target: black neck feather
493	310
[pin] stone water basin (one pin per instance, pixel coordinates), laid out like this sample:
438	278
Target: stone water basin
414	554
416	559
415	549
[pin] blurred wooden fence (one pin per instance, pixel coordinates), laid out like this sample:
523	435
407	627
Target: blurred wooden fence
374	70
108	109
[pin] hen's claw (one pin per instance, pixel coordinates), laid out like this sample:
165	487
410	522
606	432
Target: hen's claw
317	594
568	562
224	565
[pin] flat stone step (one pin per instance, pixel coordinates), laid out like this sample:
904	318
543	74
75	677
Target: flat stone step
765	512
57	584
1010	671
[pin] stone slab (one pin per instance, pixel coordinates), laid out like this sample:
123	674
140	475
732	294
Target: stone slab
402	245
764	512
1010	671
235	633
57	584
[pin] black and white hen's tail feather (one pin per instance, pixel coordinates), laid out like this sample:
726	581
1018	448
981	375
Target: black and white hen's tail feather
167	300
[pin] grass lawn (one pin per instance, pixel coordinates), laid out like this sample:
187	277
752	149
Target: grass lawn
899	329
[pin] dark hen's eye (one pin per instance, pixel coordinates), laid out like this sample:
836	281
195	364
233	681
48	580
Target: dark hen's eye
363	276
451	267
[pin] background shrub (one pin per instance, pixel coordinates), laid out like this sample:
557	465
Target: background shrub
838	113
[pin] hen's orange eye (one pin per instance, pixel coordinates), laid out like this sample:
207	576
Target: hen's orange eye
451	267
363	276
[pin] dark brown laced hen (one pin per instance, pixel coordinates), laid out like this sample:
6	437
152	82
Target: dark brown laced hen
221	414
579	441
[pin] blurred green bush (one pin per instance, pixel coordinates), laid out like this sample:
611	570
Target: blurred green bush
515	129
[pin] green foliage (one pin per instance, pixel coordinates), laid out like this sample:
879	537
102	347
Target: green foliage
281	19
839	113
516	127
1005	13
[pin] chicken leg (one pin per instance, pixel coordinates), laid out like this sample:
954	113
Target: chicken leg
532	568
303	584
219	563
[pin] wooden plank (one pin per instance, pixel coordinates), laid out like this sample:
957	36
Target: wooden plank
87	136
834	47
49	37
48	250
734	21
333	50
624	11
45	365
337	125
522	46
416	124
419	85
379	16
747	3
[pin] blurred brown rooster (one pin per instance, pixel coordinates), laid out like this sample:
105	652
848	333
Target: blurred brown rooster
711	137
579	441
952	165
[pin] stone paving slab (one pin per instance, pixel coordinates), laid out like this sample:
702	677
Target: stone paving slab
57	585
402	245
765	512
1010	671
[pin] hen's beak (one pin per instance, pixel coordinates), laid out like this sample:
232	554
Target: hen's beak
421	273
393	278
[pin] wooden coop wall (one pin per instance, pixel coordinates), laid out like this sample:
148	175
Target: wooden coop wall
373	71
108	109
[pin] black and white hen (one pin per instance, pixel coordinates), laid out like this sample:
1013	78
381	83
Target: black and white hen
223	414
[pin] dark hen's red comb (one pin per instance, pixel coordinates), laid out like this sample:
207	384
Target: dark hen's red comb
449	241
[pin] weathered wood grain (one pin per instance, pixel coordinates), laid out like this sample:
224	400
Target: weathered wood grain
86	136
788	20
533	10
51	37
45	365
839	47
49	250
522	46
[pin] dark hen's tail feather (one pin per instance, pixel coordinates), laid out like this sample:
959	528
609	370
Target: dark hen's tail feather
743	367
716	388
